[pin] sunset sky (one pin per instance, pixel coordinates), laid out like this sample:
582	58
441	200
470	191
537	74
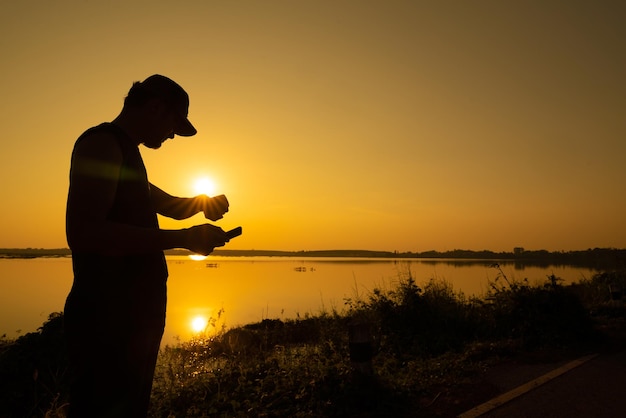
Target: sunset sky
382	125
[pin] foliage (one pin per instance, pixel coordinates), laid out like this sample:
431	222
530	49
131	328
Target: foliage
536	315
34	372
410	320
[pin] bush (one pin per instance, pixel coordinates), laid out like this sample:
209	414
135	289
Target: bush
413	321
537	315
34	372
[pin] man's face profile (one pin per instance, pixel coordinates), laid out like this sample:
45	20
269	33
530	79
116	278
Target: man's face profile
162	125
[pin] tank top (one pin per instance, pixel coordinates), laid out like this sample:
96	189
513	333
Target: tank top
125	290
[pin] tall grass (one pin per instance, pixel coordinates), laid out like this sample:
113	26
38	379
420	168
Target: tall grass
422	337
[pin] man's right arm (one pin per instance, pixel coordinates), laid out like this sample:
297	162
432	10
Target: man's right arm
94	174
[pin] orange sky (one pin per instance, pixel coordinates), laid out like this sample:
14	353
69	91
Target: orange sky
395	125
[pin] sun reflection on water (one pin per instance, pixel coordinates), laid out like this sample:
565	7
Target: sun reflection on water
197	257
199	323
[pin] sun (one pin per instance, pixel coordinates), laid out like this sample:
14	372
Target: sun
199	323
204	185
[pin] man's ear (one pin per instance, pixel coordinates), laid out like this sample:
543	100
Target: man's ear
156	107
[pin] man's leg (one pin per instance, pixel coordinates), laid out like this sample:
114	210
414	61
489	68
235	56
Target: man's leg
100	386
144	355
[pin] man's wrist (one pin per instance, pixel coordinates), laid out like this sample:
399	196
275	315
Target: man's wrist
200	203
173	238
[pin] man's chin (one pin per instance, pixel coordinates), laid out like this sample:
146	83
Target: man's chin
153	145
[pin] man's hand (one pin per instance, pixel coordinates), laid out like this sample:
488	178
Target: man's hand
202	239
214	208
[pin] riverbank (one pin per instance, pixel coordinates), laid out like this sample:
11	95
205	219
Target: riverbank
419	352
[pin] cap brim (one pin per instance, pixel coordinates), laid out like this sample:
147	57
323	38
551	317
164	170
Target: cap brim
186	129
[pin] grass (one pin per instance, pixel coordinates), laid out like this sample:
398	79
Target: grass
422	339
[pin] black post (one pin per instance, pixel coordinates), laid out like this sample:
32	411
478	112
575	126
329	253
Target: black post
361	347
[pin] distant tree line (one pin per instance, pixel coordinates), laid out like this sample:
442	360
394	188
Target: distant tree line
34	252
597	258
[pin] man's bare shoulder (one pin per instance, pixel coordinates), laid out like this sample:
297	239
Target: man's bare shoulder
97	156
99	145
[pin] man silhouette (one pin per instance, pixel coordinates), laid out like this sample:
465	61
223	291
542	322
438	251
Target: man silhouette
115	311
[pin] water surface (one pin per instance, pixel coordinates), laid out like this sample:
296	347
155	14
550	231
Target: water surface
239	290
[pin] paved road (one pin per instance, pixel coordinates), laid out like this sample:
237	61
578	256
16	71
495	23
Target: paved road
596	388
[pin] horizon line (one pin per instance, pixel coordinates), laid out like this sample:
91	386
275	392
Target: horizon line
516	250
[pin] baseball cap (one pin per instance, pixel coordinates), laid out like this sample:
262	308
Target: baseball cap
174	95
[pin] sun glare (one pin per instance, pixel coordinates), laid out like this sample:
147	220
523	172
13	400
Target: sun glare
199	323
204	185
197	257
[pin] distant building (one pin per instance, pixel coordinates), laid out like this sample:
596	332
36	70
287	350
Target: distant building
518	250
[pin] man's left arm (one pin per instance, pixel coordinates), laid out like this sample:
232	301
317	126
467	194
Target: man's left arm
174	207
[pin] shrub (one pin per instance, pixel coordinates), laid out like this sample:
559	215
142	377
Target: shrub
33	372
414	321
537	315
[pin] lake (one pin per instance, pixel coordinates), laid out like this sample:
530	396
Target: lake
239	290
